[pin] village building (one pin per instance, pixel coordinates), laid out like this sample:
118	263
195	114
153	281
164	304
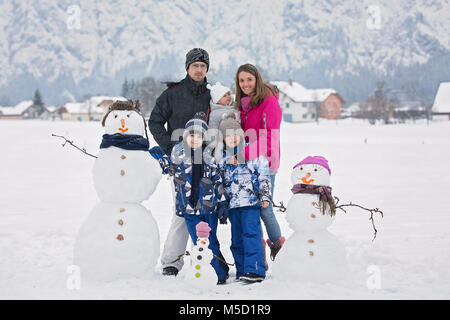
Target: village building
441	105
300	104
23	110
91	110
52	113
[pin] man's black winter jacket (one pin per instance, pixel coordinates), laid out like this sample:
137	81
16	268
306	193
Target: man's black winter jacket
175	106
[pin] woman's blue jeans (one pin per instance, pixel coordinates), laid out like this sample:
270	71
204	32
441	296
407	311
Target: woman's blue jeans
268	217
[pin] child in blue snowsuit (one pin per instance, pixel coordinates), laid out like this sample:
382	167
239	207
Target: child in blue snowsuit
247	185
198	185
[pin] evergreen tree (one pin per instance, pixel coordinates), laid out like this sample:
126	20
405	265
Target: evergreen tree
125	89
132	88
37	99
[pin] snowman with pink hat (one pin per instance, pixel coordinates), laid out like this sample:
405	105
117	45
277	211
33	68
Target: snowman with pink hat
311	253
201	274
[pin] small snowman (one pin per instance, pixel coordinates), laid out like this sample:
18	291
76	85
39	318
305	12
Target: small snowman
120	237
201	274
311	253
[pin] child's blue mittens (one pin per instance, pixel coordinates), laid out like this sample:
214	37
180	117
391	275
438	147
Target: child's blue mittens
158	153
222	213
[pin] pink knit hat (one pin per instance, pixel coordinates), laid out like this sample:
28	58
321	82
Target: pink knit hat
202	229
321	161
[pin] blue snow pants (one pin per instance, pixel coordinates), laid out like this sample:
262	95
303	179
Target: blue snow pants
246	244
211	219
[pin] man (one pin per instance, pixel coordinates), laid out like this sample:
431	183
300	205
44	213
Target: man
174	107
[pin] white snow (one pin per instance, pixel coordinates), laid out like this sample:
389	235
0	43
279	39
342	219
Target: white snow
47	192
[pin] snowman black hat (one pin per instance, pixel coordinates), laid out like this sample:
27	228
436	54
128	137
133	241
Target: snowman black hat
129	105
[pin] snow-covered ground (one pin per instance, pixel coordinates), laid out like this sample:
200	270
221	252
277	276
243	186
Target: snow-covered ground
47	191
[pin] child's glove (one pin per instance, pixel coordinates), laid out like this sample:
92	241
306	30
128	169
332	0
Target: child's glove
166	165
157	152
222	213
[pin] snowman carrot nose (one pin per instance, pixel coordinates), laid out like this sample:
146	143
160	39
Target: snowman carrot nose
305	178
123	129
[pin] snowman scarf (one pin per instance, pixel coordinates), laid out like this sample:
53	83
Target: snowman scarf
324	192
125	141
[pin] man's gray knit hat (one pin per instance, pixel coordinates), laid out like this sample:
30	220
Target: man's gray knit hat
197	54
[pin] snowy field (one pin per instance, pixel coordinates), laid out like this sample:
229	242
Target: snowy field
47	191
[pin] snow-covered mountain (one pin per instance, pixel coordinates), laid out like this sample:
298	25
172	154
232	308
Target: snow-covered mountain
70	48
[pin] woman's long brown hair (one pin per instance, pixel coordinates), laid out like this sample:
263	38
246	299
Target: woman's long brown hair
262	89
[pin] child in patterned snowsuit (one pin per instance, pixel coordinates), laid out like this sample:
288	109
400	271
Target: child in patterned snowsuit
247	185
198	185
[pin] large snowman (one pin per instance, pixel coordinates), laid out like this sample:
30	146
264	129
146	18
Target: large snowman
120	237
311	253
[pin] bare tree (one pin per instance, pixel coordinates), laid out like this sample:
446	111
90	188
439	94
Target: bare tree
378	106
147	91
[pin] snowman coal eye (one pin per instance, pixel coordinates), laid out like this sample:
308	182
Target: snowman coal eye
128	115
315	169
115	116
301	168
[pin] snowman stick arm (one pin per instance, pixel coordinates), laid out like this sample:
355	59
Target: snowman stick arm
73	145
372	211
180	256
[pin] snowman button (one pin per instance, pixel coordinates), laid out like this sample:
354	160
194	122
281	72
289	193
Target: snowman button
123	157
311	253
122	210
121	222
120	237
122	172
313	215
310	241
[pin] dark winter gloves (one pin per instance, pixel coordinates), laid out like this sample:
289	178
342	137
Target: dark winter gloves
222	212
157	152
164	161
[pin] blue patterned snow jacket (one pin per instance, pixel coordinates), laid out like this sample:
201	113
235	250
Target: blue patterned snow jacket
210	193
246	184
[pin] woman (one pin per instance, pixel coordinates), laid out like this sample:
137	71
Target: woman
260	111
